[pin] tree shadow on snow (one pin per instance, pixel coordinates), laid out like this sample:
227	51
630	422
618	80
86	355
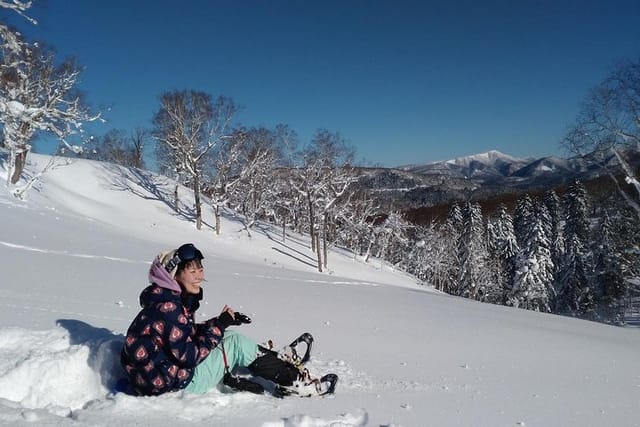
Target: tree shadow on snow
287	246
104	349
147	186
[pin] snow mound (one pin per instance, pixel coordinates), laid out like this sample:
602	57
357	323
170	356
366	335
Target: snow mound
58	370
70	372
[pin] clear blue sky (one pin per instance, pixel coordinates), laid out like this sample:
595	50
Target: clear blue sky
403	81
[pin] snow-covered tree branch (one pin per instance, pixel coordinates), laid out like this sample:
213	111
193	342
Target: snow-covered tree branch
190	124
609	124
37	94
323	181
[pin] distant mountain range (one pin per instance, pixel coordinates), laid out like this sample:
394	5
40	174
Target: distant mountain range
494	165
479	176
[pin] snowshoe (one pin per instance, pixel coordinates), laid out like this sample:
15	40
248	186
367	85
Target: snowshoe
309	387
291	353
294	355
285	370
270	367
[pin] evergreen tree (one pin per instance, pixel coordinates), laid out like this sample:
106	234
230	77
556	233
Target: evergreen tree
554	208
609	282
522	218
533	279
503	247
493	266
576	295
473	278
447	274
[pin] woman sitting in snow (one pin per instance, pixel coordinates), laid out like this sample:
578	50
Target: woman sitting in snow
166	350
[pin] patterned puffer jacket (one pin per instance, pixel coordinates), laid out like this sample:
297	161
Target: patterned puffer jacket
163	344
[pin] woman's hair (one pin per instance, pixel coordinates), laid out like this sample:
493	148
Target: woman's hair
197	263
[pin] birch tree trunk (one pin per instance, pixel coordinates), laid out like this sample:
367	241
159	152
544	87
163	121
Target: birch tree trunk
312	229
196	195
317	238
18	164
176	200
217	214
324	238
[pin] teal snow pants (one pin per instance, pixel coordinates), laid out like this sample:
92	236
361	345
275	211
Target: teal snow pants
240	351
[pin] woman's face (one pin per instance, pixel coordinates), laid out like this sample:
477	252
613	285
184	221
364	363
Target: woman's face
191	276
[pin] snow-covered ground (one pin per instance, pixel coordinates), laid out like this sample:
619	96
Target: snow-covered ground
74	258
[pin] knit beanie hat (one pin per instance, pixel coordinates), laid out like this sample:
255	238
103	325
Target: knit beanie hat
168	261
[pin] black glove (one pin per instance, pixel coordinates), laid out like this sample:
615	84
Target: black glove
241	318
225	319
237	319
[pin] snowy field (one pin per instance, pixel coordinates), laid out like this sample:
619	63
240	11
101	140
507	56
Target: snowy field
74	257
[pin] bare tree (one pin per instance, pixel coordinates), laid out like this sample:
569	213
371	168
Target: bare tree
139	138
190	124
18	6
260	154
116	146
285	207
246	175
11	39
323	181
36	95
226	166
393	238
357	223
113	148
609	122
169	164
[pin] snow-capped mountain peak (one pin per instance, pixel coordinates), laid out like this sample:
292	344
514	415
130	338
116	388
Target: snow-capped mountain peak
491	157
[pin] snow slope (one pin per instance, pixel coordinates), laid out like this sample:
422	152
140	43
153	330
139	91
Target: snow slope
74	258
